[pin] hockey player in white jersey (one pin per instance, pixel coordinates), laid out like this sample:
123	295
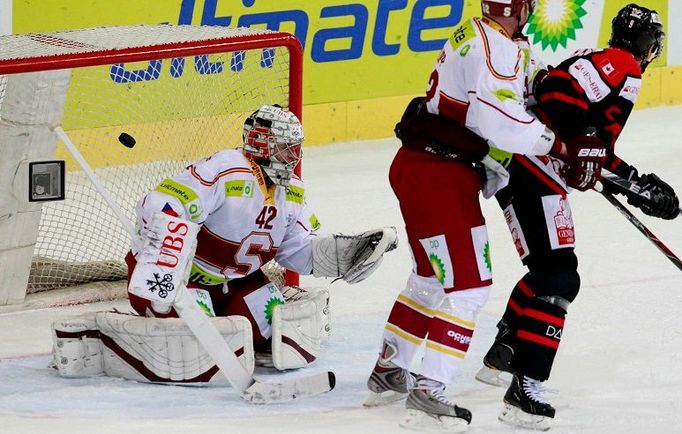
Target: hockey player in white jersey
249	208
480	82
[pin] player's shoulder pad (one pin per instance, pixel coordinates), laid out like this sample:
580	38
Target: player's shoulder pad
615	64
218	166
230	158
462	36
502	56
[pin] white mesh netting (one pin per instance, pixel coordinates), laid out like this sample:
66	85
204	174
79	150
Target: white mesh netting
178	109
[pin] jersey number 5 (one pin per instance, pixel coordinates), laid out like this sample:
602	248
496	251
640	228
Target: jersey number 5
254	251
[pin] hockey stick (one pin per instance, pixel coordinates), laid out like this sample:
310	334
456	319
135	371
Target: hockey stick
208	336
639	225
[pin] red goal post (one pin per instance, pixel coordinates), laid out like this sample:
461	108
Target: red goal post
181	91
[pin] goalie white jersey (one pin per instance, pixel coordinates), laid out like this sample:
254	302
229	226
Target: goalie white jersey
244	222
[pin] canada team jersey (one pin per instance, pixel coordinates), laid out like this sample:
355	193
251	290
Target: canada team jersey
244	223
481	79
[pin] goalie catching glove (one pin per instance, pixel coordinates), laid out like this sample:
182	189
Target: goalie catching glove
352	257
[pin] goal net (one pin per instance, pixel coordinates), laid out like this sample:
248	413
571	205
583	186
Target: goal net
182	93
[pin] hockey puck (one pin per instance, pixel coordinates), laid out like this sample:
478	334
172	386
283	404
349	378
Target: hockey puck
127	140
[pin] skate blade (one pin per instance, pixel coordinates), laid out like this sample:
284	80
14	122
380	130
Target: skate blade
380	399
516	417
494	377
420	421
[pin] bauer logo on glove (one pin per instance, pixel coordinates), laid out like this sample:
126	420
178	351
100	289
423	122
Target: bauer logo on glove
163	263
594	152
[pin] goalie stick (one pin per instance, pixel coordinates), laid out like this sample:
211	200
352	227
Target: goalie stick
250	389
611	179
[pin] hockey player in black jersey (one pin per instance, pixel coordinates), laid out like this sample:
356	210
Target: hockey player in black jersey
593	90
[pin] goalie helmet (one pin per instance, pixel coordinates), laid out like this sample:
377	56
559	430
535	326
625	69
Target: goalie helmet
506	8
272	137
640	31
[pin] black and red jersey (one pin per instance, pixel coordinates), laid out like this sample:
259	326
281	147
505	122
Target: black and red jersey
595	88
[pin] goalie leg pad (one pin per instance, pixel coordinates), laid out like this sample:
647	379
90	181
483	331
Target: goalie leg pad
298	328
77	347
294	293
352	257
145	349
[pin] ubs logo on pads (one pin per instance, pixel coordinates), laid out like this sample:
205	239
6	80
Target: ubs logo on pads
163	262
162	284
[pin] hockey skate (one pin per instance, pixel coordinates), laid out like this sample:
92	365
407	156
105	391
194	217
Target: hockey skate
388	382
264	359
429	409
524	405
496	369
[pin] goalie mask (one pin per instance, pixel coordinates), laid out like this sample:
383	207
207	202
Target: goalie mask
640	31
272	137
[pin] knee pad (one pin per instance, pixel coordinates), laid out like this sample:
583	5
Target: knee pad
555	276
427	291
462	307
467	300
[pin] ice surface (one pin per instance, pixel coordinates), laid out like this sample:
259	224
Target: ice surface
618	369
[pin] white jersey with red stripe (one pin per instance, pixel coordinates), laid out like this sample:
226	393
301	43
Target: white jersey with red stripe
481	80
244	221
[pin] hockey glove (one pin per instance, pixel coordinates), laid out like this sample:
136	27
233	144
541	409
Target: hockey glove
662	203
585	159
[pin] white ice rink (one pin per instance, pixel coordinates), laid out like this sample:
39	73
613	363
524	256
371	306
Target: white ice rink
619	369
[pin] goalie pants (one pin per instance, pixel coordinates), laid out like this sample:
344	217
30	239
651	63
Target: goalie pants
539	217
245	297
451	278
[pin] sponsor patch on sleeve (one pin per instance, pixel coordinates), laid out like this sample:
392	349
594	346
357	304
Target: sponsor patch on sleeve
461	35
239	188
631	89
314	222
187	197
589	79
295	194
